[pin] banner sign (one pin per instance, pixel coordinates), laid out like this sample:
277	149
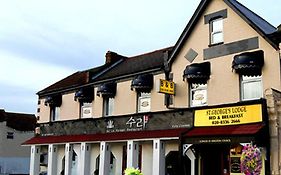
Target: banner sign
139	122
234	115
166	87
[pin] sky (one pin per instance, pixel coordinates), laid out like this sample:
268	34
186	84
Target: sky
43	41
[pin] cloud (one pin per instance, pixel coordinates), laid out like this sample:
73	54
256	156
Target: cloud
21	78
77	34
269	10
27	74
17	99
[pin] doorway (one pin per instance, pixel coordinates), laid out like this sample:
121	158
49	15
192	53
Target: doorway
214	159
173	165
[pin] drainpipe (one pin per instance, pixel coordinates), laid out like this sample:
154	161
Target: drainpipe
278	106
167	70
279	115
168	77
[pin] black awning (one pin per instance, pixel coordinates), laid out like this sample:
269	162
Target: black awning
197	72
84	94
107	90
142	83
248	63
53	101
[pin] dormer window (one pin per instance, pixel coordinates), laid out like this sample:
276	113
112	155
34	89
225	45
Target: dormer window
216	31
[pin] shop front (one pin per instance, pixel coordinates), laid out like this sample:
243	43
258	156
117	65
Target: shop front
215	143
108	145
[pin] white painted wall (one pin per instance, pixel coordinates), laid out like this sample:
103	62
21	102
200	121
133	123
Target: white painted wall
95	151
117	151
60	157
75	165
147	157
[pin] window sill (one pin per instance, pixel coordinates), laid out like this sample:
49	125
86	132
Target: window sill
194	106
216	44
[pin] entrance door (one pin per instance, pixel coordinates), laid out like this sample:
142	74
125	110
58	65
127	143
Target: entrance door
214	160
173	165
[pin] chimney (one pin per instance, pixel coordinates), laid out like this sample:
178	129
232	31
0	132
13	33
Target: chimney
112	57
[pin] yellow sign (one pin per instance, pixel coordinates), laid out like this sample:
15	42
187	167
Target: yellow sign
228	115
166	87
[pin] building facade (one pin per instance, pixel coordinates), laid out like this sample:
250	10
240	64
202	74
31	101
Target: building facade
15	129
186	109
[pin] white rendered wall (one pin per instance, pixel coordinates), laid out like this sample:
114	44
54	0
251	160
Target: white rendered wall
147	157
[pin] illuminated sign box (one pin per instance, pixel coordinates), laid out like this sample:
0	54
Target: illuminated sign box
234	115
166	87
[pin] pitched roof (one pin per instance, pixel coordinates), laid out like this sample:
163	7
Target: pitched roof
259	24
18	121
263	27
72	81
258	21
137	64
126	66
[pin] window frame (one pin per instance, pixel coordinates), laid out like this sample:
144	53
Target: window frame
143	95
191	90
10	135
253	79
212	32
83	105
54	113
108	102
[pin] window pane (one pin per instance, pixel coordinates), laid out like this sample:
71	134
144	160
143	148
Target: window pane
252	90
55	113
251	87
144	102
110	106
217	37
217	25
198	94
86	110
216	32
10	135
199	97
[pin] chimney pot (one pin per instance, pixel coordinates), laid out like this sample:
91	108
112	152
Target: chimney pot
112	57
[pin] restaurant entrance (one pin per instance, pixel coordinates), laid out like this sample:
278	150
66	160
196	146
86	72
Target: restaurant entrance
214	159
